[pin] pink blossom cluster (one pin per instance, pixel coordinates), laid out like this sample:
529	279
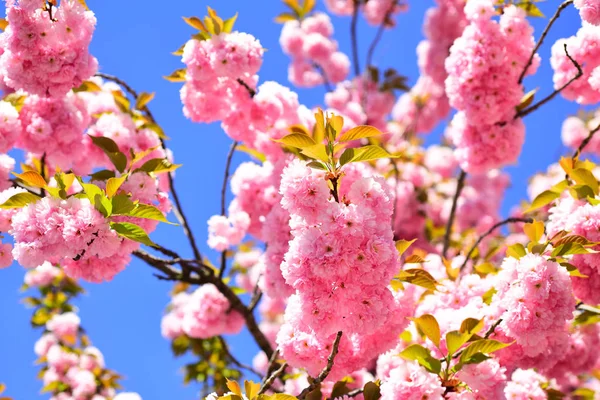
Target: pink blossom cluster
376	12
362	101
486	380
483	71
589	10
584	50
64	326
10	126
202	314
44	56
315	55
225	232
535	301
411	381
213	68
421	109
526	384
339	262
42	275
575	130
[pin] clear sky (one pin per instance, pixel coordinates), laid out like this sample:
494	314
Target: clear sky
133	40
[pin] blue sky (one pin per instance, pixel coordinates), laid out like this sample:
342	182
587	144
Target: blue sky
133	40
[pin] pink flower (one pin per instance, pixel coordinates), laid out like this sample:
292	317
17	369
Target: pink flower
10	126
64	325
589	10
412	382
42	275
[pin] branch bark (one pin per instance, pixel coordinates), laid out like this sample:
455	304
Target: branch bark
460	183
585	142
354	38
325	372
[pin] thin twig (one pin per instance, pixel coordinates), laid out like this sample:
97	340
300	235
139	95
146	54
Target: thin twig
492	329
43	172
271	379
256	296
223	198
460	183
489	232
585	142
544	34
234	360
325	372
326	82
354	38
379	33
251	91
540	103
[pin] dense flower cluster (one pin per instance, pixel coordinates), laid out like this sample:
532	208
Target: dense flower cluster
44	56
315	55
485	88
589	10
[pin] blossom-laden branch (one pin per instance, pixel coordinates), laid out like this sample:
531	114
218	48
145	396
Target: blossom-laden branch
585	142
271	379
543	36
460	183
178	209
552	95
488	233
325	372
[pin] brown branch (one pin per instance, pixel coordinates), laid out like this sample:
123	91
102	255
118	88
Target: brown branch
234	360
488	233
379	33
544	34
178	209
460	183
325	372
492	329
251	91
326	82
354	38
223	196
540	103
585	142
271	379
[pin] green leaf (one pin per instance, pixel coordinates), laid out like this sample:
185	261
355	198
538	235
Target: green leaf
567	249
429	326
195	23
403	245
531	9
455	340
88	86
471	325
316	152
103	204
543	199
416	352
285	17
143	99
122	204
113	185
119	160
155	128
365	153
297	140
572	239
91	191
517	251
132	232
340	388
148	211
16	100
573	271
251	389
254	153
484	346
102	175
157	166
20	200
526	100
106	144
359	132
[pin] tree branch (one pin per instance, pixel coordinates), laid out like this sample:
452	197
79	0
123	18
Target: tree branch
251	91
268	382
234	360
354	38
326	82
460	183
488	233
585	142
223	197
325	372
540	103
541	40
379	33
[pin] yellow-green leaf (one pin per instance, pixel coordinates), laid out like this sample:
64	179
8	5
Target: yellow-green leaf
84	4
88	86
455	340
16	100
113	184
177	76
543	199
359	132
3	24
403	245
319	128
308	6
158	165
422	355
228	23
534	230
195	23
418	277
429	326
285	17
484	346
143	99
20	200
584	177
251	389
156	129
517	251
317	152
337	123
148	211
526	100
414	259
122	204
132	232
31	178
298	140
254	153
365	153
234	387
